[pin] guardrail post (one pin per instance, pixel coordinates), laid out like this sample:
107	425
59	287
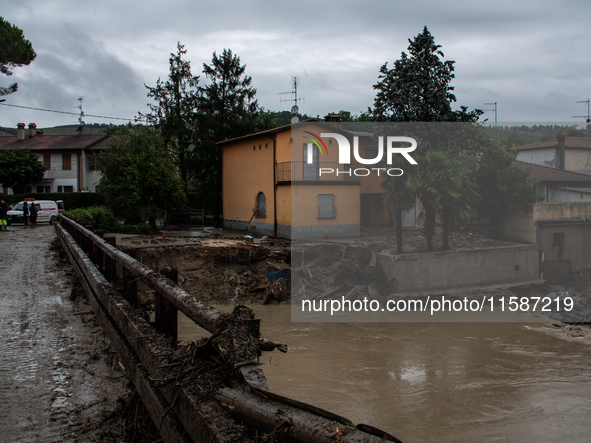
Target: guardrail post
166	312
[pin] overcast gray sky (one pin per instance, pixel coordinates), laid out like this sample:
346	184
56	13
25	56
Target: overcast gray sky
531	57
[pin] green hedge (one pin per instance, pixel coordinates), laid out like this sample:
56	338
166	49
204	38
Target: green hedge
101	217
72	200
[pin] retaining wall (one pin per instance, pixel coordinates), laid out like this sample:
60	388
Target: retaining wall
453	269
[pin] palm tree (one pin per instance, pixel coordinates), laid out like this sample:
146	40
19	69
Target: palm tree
398	197
457	198
444	189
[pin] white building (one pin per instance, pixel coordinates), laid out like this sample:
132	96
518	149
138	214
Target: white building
70	160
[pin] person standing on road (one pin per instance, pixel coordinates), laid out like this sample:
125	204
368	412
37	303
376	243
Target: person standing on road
33	215
26	213
3	211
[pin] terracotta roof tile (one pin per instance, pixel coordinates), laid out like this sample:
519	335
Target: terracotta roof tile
546	174
42	142
569	142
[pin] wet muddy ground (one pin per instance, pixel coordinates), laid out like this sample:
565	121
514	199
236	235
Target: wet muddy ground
59	379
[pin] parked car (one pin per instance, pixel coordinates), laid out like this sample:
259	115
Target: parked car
47	211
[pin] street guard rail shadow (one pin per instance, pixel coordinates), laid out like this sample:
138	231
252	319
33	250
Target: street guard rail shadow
171	380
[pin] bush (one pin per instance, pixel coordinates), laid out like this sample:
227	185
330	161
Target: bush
100	217
139	229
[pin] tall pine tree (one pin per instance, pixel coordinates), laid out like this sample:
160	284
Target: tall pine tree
175	109
418	87
227	109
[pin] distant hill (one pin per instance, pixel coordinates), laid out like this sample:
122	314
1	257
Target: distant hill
525	135
7	131
71	129
64	130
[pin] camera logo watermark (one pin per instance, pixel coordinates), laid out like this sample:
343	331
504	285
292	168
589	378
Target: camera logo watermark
389	145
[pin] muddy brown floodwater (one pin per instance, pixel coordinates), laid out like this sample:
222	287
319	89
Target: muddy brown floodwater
59	380
437	382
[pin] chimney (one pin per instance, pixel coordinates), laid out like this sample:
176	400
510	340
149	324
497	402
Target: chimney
20	131
32	129
333	118
561	151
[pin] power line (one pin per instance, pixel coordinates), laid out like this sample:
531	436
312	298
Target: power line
68	113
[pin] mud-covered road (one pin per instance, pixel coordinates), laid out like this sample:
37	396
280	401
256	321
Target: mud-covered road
59	381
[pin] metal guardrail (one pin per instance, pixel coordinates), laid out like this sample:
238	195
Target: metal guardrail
110	278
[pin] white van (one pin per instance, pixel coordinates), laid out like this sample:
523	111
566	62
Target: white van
47	211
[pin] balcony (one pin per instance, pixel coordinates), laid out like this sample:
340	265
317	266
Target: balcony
305	173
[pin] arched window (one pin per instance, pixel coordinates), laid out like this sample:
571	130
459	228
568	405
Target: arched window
261	206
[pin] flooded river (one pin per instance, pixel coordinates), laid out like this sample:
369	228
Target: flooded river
441	382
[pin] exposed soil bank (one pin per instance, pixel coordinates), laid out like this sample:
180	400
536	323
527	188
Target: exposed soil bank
217	270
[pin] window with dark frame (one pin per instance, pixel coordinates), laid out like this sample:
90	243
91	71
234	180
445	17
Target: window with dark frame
66	162
47	161
326	208
92	161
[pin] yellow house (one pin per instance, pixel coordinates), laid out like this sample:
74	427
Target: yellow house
286	182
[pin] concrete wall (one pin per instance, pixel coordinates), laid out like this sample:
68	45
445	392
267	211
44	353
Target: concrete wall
452	269
541	157
568	195
578	160
566	240
519	227
562	211
523	227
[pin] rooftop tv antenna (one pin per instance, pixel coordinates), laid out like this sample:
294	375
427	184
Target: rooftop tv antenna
294	98
588	116
494	109
81	118
80	128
